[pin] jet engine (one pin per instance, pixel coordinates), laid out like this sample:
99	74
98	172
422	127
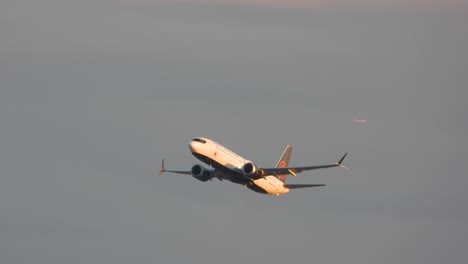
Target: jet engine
249	168
200	173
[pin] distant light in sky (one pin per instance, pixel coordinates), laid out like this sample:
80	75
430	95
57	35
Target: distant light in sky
359	121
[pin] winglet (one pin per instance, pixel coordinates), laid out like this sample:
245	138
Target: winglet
163	167
341	160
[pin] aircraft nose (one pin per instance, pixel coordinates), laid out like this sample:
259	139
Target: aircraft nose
193	146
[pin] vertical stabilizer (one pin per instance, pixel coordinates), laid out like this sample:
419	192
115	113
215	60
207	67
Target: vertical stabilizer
283	162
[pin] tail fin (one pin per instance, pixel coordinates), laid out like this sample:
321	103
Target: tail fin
283	162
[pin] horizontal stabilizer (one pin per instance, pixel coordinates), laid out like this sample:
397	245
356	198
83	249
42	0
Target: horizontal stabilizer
297	186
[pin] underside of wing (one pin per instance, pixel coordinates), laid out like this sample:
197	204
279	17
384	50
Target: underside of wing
297	186
294	170
163	170
176	171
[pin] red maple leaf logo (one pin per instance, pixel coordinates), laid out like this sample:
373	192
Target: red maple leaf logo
282	164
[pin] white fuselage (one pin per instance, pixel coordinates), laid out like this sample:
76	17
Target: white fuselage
230	166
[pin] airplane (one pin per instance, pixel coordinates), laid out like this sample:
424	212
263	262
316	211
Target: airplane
227	165
359	121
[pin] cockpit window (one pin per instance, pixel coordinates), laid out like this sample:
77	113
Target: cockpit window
199	140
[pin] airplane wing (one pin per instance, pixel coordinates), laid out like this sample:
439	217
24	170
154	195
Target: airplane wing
163	169
294	170
297	186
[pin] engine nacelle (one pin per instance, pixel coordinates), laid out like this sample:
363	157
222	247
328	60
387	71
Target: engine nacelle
200	173
249	168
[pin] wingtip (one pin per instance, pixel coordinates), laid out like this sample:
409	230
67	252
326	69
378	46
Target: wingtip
163	167
344	167
341	161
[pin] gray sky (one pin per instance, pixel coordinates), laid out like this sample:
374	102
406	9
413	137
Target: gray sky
94	93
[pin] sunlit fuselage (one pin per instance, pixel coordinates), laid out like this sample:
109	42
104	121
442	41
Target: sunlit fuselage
229	166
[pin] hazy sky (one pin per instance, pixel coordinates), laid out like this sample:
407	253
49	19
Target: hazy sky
94	93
